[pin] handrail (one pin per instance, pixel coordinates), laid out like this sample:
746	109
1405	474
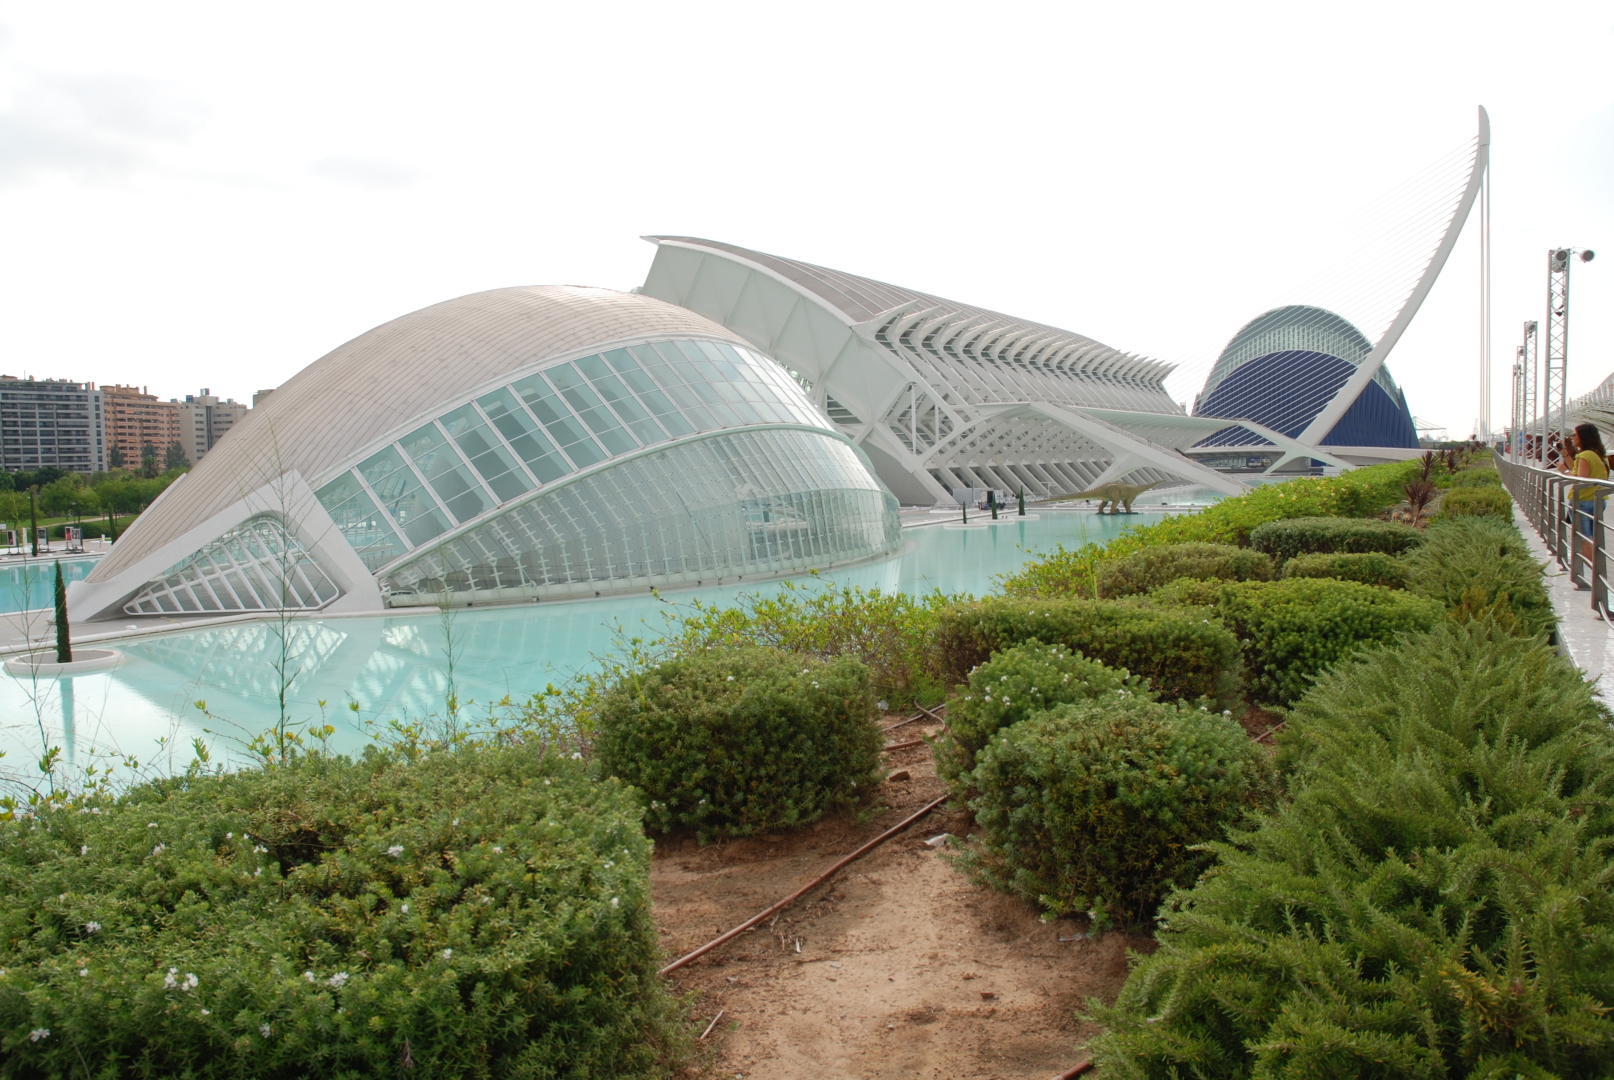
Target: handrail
1576	533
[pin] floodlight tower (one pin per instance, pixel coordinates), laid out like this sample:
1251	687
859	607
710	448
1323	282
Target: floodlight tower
1557	373
1516	403
1532	386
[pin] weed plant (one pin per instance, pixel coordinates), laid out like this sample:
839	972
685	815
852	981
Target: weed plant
1434	902
1477	502
735	741
1100	805
1284	540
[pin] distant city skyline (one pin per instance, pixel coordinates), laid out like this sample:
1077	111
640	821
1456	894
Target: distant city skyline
183	213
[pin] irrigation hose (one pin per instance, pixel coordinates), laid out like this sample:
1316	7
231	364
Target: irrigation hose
805	889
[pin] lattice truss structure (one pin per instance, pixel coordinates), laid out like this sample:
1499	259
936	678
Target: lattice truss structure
941	395
257	566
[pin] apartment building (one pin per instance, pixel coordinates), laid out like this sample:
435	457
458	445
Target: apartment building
51	422
203	421
136	419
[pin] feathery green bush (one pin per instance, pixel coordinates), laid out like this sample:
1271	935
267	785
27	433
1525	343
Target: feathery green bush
1481	566
1156	566
735	741
1011	686
1435	902
1187	593
1477	502
1292	630
1183	655
476	912
1367	567
1097	805
1283	540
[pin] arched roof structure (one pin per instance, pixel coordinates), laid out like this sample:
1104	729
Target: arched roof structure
520	443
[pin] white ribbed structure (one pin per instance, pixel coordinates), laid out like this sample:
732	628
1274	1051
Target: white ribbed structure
942	395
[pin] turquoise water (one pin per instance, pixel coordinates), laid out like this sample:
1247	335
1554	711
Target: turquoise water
396	666
25	586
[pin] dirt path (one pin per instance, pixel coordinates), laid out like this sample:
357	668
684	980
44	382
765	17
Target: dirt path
905	967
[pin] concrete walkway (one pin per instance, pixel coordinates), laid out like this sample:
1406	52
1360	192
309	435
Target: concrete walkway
1583	636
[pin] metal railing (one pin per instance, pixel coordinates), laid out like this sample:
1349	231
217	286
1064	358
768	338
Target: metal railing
1575	531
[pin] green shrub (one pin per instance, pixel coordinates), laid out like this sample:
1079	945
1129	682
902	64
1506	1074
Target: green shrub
1481	477
1482	566
1011	686
731	742
1477	502
480	912
1434	902
1187	593
1367	567
890	632
1292	630
1283	540
1184	656
1156	566
1360	492
1098	805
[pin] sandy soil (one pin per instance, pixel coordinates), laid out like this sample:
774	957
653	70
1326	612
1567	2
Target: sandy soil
900	966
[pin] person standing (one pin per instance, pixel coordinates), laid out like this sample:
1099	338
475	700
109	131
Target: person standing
1591	461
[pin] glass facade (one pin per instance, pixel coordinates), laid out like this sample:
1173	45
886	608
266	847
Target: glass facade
256	566
764	501
546	426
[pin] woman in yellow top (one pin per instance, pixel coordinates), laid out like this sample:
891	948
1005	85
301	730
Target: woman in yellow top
1590	461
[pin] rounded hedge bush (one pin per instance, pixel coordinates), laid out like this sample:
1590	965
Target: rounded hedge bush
1152	567
1367	567
1015	684
1294	629
480	912
735	741
1484	476
1283	540
1098	805
1182	654
1477	502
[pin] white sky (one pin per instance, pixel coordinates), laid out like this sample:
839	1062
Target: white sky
217	194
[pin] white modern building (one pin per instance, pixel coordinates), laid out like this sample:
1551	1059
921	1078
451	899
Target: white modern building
943	396
519	444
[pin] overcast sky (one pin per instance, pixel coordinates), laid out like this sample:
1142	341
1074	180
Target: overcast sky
218	194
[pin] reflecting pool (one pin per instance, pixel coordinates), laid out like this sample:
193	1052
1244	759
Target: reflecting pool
27	585
397	666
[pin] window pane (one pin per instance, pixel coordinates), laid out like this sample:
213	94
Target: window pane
403	497
444	471
641	384
364	527
523	435
557	419
588	405
491	460
623	402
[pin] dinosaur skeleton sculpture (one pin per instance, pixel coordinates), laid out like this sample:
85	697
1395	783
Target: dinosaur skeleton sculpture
1113	495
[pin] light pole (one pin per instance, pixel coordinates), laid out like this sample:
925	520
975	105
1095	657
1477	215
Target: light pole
1559	261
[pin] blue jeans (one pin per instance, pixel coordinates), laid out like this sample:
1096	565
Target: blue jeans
1584	520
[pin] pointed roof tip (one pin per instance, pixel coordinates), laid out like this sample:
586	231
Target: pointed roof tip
656	240
1484	126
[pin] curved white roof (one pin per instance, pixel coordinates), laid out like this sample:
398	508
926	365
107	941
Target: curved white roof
390	377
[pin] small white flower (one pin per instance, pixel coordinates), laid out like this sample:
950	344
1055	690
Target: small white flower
448	954
229	836
405	909
84	849
151	824
309	975
264	1030
731	678
338	980
207	1012
576	756
260	849
396	851
881	705
608	865
614	901
159	849
1005	701
258	872
171	980
38	1033
190	982
91	927
83	971
498	851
